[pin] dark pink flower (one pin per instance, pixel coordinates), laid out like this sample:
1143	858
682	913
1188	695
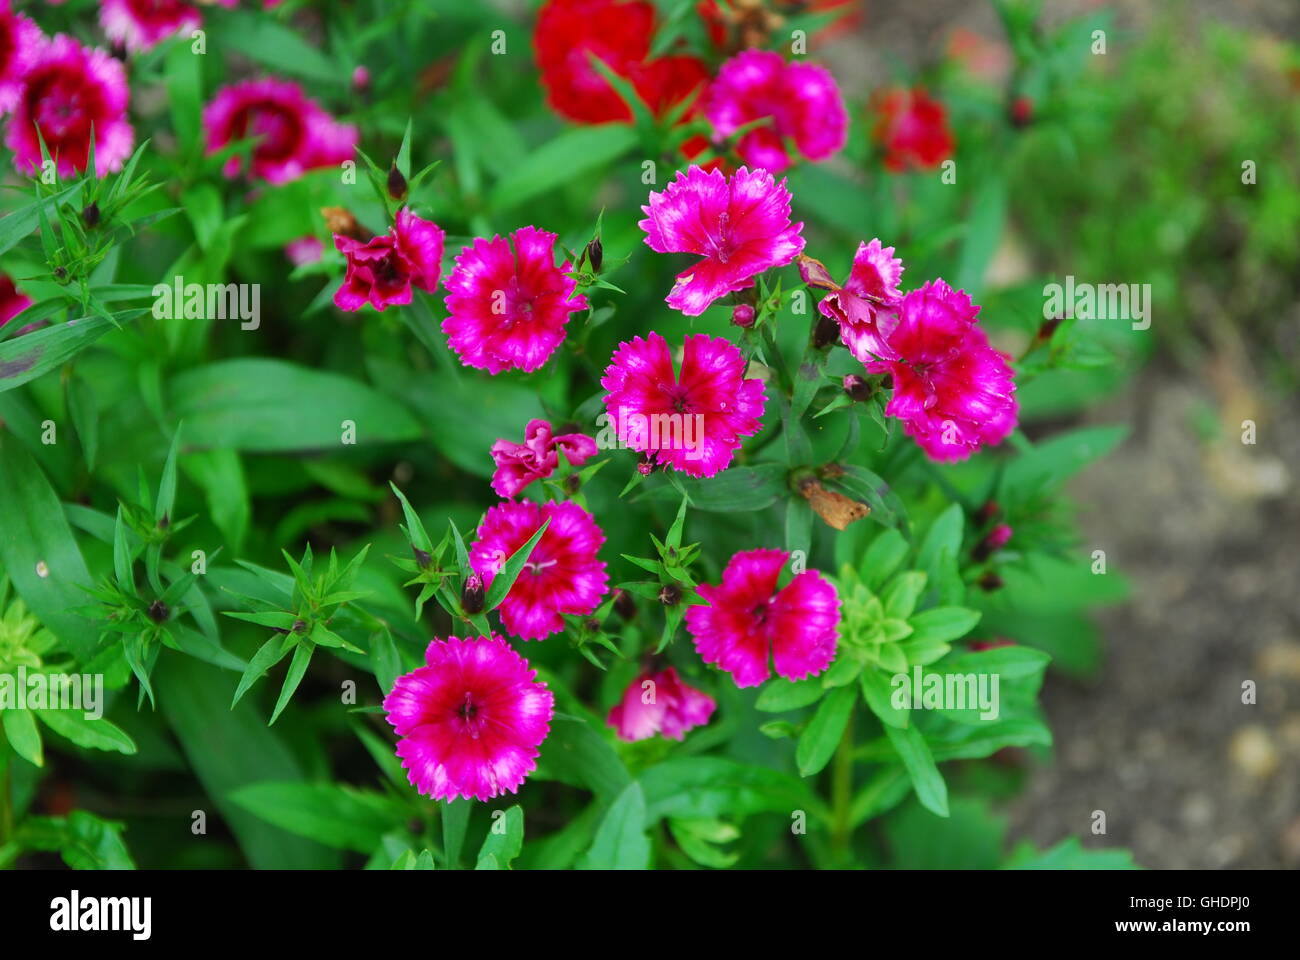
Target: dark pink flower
999	536
912	127
562	575
691	420
802	101
508	303
659	703
870	291
740	226
381	270
293	133
471	720
12	300
68	91
142	24
748	623
20	39
519	464
304	250
953	391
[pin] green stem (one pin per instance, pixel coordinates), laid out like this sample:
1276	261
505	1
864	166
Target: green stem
842	795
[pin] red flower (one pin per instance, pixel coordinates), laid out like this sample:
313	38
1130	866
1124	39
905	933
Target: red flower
570	32
913	129
381	270
12	300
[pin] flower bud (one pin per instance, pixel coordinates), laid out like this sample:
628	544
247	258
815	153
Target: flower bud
360	79
396	183
1022	112
857	388
595	254
158	611
826	332
90	215
471	595
624	605
670	595
742	315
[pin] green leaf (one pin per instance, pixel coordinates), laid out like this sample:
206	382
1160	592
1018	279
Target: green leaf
983	234
20	730
505	577
505	838
705	788
878	691
167	486
780	695
97	734
264	405
734	490
333	814
576	754
228	749
273	45
1049	464
823	733
297	669
901	594
267	656
1070	855
33	354
568	158
882	558
621	842
942	624
455	819
38	551
925	776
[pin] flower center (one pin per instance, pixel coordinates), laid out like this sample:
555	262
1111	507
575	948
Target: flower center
721	243
469	714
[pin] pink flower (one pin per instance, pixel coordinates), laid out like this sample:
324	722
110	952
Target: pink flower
381	270
740	226
142	24
508	303
471	721
692	420
953	391
749	623
293	134
304	250
562	575
801	99
870	291
519	464
912	127
12	300
659	703
20	40
68	91
999	536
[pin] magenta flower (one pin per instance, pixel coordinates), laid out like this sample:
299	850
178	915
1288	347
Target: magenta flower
471	720
519	464
12	300
293	133
304	250
953	392
143	24
20	39
999	536
740	227
562	575
70	90
508	303
801	99
870	293
659	703
693	420
381	270
749	623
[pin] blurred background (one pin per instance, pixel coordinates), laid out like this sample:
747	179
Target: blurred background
1146	187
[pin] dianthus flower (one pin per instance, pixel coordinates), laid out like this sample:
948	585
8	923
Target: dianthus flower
749	623
508	303
912	127
659	703
143	24
382	270
562	575
801	101
739	225
470	720
691	420
519	464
